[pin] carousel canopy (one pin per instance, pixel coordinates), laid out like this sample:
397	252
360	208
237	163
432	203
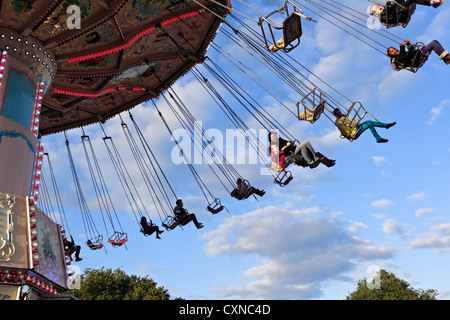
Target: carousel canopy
106	57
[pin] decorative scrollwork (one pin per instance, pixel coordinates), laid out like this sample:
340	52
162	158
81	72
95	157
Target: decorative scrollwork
7	201
7	248
7	251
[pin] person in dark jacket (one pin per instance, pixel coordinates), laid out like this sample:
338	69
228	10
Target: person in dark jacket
183	217
408	56
73	248
397	12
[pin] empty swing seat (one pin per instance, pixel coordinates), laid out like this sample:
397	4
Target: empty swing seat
311	107
118	239
170	223
95	243
291	29
312	114
283	178
215	206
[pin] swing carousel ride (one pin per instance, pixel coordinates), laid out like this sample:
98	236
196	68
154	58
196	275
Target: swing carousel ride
76	63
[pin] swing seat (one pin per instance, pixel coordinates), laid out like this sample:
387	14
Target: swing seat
118	239
352	119
283	178
416	62
242	192
239	195
95	243
317	99
312	115
291	29
146	233
170	223
402	17
215	206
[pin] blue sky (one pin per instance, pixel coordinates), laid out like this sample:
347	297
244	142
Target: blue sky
382	205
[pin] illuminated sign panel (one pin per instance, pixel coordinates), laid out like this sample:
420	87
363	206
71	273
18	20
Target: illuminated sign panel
49	253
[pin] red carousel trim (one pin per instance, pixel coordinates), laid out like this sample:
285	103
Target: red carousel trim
95	95
135	38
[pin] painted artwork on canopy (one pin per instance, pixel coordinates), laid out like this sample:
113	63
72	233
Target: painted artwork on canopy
142	10
103	34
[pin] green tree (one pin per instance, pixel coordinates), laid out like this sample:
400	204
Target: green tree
389	288
106	284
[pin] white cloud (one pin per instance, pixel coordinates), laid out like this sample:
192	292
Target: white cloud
355	227
437	28
424	212
381	203
444	228
392	227
298	254
378	160
418	196
430	241
436	112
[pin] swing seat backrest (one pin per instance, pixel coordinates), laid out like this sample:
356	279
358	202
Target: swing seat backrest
283	178
352	119
292	28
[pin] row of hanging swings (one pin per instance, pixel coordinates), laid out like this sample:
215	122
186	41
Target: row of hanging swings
281	178
240	190
230	173
314	101
135	201
265	119
153	175
347	16
94	238
105	203
310	109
